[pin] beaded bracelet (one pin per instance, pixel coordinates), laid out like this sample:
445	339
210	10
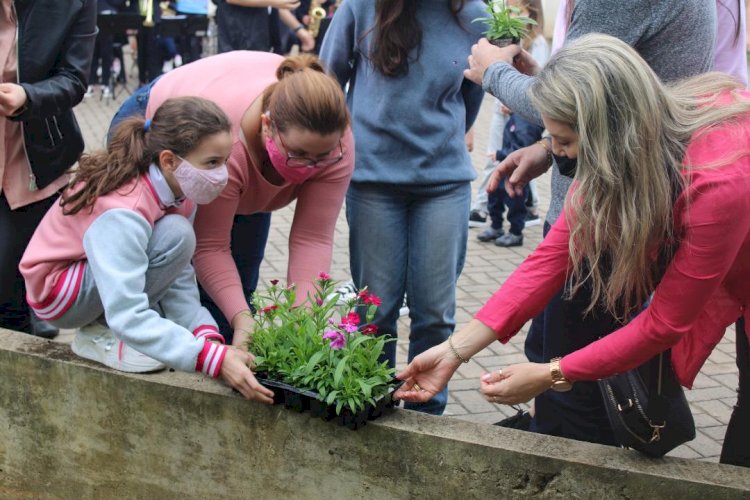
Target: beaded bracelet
455	352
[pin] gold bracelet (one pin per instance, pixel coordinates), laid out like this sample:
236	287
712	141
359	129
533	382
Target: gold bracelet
455	352
542	142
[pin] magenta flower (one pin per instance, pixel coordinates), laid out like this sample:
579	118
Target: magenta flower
351	318
324	276
274	282
372	299
368	329
338	340
319	301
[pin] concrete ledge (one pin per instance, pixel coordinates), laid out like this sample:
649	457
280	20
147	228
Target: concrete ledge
70	429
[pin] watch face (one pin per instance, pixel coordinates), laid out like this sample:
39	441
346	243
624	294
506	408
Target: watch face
562	386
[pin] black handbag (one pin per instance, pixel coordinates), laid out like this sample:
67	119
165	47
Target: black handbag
647	408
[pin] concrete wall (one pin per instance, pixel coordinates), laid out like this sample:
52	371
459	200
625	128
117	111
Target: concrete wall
69	429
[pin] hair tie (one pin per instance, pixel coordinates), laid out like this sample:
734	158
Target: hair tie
147	125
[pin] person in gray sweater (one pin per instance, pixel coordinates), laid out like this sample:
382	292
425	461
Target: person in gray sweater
408	203
677	40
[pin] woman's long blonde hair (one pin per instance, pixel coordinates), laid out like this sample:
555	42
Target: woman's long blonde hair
632	136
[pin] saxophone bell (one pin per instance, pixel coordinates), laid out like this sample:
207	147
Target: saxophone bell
316	14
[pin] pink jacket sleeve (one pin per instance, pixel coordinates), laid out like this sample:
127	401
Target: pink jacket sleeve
531	286
715	227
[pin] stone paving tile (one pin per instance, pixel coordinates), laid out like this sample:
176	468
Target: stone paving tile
487	266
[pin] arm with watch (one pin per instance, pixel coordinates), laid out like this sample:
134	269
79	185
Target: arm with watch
520	298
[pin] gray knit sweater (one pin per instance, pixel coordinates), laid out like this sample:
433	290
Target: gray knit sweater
675	37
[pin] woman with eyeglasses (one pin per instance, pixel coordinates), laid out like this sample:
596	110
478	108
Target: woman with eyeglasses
291	142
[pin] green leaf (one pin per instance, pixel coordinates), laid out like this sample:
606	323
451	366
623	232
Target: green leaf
366	388
331	397
339	373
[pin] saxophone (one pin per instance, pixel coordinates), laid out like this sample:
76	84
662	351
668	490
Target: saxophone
316	14
147	9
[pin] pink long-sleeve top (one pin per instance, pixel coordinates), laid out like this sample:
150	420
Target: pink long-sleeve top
234	80
705	288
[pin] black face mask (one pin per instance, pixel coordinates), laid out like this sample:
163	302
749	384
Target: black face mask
567	166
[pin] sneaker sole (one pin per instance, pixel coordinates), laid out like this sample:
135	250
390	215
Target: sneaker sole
86	350
474	223
531	223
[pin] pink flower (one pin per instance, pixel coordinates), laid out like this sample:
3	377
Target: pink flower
368	329
338	340
372	299
319	301
351	319
324	276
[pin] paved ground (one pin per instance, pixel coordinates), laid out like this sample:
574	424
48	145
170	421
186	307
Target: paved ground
486	268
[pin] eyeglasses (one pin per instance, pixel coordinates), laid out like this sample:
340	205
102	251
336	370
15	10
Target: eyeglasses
293	161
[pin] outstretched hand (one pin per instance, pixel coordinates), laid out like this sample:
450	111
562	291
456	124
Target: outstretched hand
519	168
516	384
235	371
427	374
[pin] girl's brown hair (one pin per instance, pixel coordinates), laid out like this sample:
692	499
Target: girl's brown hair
178	125
396	33
306	97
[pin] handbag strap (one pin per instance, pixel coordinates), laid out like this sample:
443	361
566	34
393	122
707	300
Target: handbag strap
658	404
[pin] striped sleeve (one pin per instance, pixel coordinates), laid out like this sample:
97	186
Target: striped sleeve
208	332
210	359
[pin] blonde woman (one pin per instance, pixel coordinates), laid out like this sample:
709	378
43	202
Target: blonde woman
656	164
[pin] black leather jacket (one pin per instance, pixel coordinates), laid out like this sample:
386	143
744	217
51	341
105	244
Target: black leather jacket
55	45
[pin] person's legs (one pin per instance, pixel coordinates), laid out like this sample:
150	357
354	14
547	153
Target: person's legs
438	230
16	228
495	211
495	142
248	244
736	448
516	217
378	232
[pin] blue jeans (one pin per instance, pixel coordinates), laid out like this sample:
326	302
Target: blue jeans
249	232
410	239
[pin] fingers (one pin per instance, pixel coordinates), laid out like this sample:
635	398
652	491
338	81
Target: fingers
413	393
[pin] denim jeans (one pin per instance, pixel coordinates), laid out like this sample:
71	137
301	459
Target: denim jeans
410	239
249	232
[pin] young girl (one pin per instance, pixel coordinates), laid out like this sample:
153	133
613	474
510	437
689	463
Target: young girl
117	248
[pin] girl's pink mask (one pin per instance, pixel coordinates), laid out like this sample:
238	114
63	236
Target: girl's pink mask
201	186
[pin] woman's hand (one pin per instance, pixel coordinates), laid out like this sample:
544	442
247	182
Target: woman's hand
519	168
242	324
483	55
12	98
235	371
526	64
427	374
516	384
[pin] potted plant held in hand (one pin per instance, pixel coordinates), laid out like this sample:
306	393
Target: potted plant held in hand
318	356
505	24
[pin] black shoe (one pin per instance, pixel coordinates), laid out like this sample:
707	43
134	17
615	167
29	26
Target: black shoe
477	219
520	421
41	328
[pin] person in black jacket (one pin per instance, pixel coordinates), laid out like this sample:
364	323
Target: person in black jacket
43	73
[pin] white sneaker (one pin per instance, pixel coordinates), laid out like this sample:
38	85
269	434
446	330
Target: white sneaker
346	292
97	343
177	61
89	91
404	311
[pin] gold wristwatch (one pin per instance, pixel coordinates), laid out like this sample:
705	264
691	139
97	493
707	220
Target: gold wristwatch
559	382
